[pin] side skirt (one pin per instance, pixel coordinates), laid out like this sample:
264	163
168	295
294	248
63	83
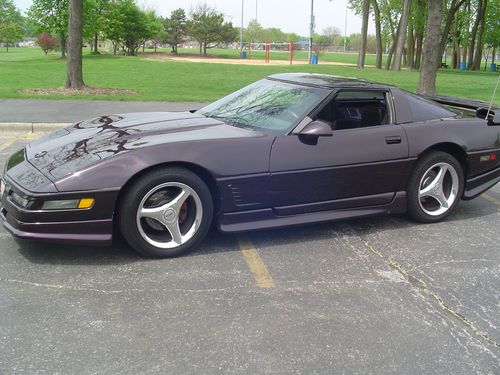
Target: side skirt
478	185
267	218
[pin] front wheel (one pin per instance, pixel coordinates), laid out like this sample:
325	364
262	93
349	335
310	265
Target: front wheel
435	187
166	212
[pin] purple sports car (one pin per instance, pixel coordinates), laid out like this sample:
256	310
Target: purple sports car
286	150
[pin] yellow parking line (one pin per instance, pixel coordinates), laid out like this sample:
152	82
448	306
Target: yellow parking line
255	263
491	199
7	143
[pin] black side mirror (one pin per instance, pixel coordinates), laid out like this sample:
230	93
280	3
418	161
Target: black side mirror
495	119
312	131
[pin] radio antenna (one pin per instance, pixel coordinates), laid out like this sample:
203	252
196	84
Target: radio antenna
492	98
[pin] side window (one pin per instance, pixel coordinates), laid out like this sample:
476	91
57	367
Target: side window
424	110
352	109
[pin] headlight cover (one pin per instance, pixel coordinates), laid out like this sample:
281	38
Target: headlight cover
68	204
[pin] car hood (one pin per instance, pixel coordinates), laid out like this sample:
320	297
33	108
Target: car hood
85	143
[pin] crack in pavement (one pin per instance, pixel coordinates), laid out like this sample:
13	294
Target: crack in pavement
421	285
116	291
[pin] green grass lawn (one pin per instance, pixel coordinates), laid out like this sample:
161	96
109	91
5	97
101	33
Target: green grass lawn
22	69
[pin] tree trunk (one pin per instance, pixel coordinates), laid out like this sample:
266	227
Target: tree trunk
400	42
419	40
494	54
7	46
455	58
476	64
204	49
364	34
378	34
411	48
393	46
63	46
75	33
473	34
432	41
95	42
486	58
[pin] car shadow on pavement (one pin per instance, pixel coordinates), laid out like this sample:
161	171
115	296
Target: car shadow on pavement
48	253
215	242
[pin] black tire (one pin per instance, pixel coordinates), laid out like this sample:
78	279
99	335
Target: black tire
421	209
142	233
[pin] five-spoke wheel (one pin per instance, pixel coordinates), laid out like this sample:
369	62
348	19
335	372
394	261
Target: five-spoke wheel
435	187
166	212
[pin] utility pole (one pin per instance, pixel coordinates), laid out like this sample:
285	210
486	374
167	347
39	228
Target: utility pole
345	28
311	32
256	8
241	30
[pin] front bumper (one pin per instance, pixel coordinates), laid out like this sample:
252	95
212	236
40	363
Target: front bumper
97	233
93	226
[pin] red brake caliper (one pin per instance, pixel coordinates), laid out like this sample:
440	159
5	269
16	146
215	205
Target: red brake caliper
183	213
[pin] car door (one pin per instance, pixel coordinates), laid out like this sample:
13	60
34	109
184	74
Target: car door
363	163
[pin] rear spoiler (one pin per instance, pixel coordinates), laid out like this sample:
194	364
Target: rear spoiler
483	110
452	101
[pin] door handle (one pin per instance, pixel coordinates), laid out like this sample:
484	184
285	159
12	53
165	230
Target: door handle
391	140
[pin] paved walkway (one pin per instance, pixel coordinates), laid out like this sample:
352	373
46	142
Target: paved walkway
66	111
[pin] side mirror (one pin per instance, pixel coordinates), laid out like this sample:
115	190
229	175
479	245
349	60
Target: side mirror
316	129
495	119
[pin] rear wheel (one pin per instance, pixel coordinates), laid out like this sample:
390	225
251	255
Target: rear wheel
435	187
166	212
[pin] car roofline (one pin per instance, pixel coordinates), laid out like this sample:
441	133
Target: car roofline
339	82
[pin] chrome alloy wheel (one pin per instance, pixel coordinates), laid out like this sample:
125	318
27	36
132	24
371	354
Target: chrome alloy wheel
169	215
438	189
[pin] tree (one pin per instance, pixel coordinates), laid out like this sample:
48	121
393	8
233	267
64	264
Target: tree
176	28
275	35
364	33
480	21
154	29
209	28
11	21
74	78
127	26
51	16
492	28
400	41
46	42
254	32
292	37
95	18
427	84
449	14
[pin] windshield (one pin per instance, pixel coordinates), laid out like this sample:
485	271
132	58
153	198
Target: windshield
266	105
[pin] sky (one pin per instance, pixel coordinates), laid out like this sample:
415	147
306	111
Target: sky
288	15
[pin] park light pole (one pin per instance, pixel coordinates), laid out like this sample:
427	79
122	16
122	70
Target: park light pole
241	30
345	28
311	32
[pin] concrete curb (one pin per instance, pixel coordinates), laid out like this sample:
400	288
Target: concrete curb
30	127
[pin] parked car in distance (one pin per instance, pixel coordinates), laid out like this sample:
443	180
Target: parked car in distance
286	150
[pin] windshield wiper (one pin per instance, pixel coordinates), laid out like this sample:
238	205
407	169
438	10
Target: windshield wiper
229	121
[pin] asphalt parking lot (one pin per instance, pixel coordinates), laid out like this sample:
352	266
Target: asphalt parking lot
379	295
